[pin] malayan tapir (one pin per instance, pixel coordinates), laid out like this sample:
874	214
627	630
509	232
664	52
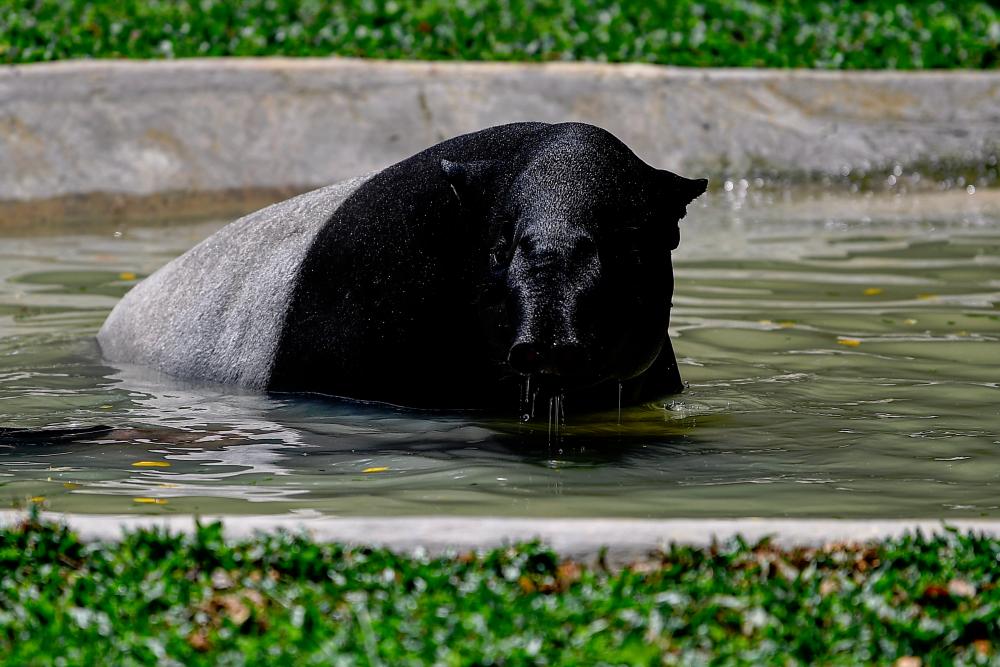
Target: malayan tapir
525	255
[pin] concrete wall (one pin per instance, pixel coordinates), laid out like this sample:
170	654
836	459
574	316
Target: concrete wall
617	541
79	137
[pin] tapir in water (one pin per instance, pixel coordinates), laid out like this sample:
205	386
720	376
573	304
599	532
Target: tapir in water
525	257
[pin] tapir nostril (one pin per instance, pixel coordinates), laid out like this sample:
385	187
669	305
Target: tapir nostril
563	360
525	358
569	359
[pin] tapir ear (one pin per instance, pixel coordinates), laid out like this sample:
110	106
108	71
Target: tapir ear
686	190
466	177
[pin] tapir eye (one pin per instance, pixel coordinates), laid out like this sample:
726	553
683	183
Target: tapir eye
500	254
527	244
585	247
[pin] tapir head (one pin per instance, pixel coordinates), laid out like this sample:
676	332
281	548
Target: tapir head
581	236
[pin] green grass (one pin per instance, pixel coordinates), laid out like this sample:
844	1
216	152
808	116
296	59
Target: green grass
285	600
848	34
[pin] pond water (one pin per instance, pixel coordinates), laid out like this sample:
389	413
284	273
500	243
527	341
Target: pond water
843	357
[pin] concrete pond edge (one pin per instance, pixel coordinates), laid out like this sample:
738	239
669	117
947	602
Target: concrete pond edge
120	138
619	540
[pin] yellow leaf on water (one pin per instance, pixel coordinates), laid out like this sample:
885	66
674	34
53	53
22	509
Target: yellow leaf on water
909	321
849	342
786	324
126	275
150	464
150	501
71	485
378	469
873	291
38	499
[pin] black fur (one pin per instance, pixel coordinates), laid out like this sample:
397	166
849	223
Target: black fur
524	249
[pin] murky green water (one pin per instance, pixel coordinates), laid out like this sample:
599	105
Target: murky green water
843	359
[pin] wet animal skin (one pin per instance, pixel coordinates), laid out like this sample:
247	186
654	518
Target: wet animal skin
449	279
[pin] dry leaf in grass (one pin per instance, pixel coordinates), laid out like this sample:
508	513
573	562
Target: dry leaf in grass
198	640
236	608
567	574
646	566
221	580
961	588
934	593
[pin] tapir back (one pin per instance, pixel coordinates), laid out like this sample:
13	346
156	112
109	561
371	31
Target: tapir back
216	312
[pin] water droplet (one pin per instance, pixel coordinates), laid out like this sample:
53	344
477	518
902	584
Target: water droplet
551	408
619	403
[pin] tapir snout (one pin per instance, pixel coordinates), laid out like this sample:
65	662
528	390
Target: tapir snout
554	276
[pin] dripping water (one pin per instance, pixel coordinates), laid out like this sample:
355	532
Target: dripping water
551	405
557	416
527	407
619	403
557	409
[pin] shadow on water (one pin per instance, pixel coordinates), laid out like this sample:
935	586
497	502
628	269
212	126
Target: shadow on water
594	438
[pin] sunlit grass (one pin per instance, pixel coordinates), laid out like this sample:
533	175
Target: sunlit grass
847	34
283	599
